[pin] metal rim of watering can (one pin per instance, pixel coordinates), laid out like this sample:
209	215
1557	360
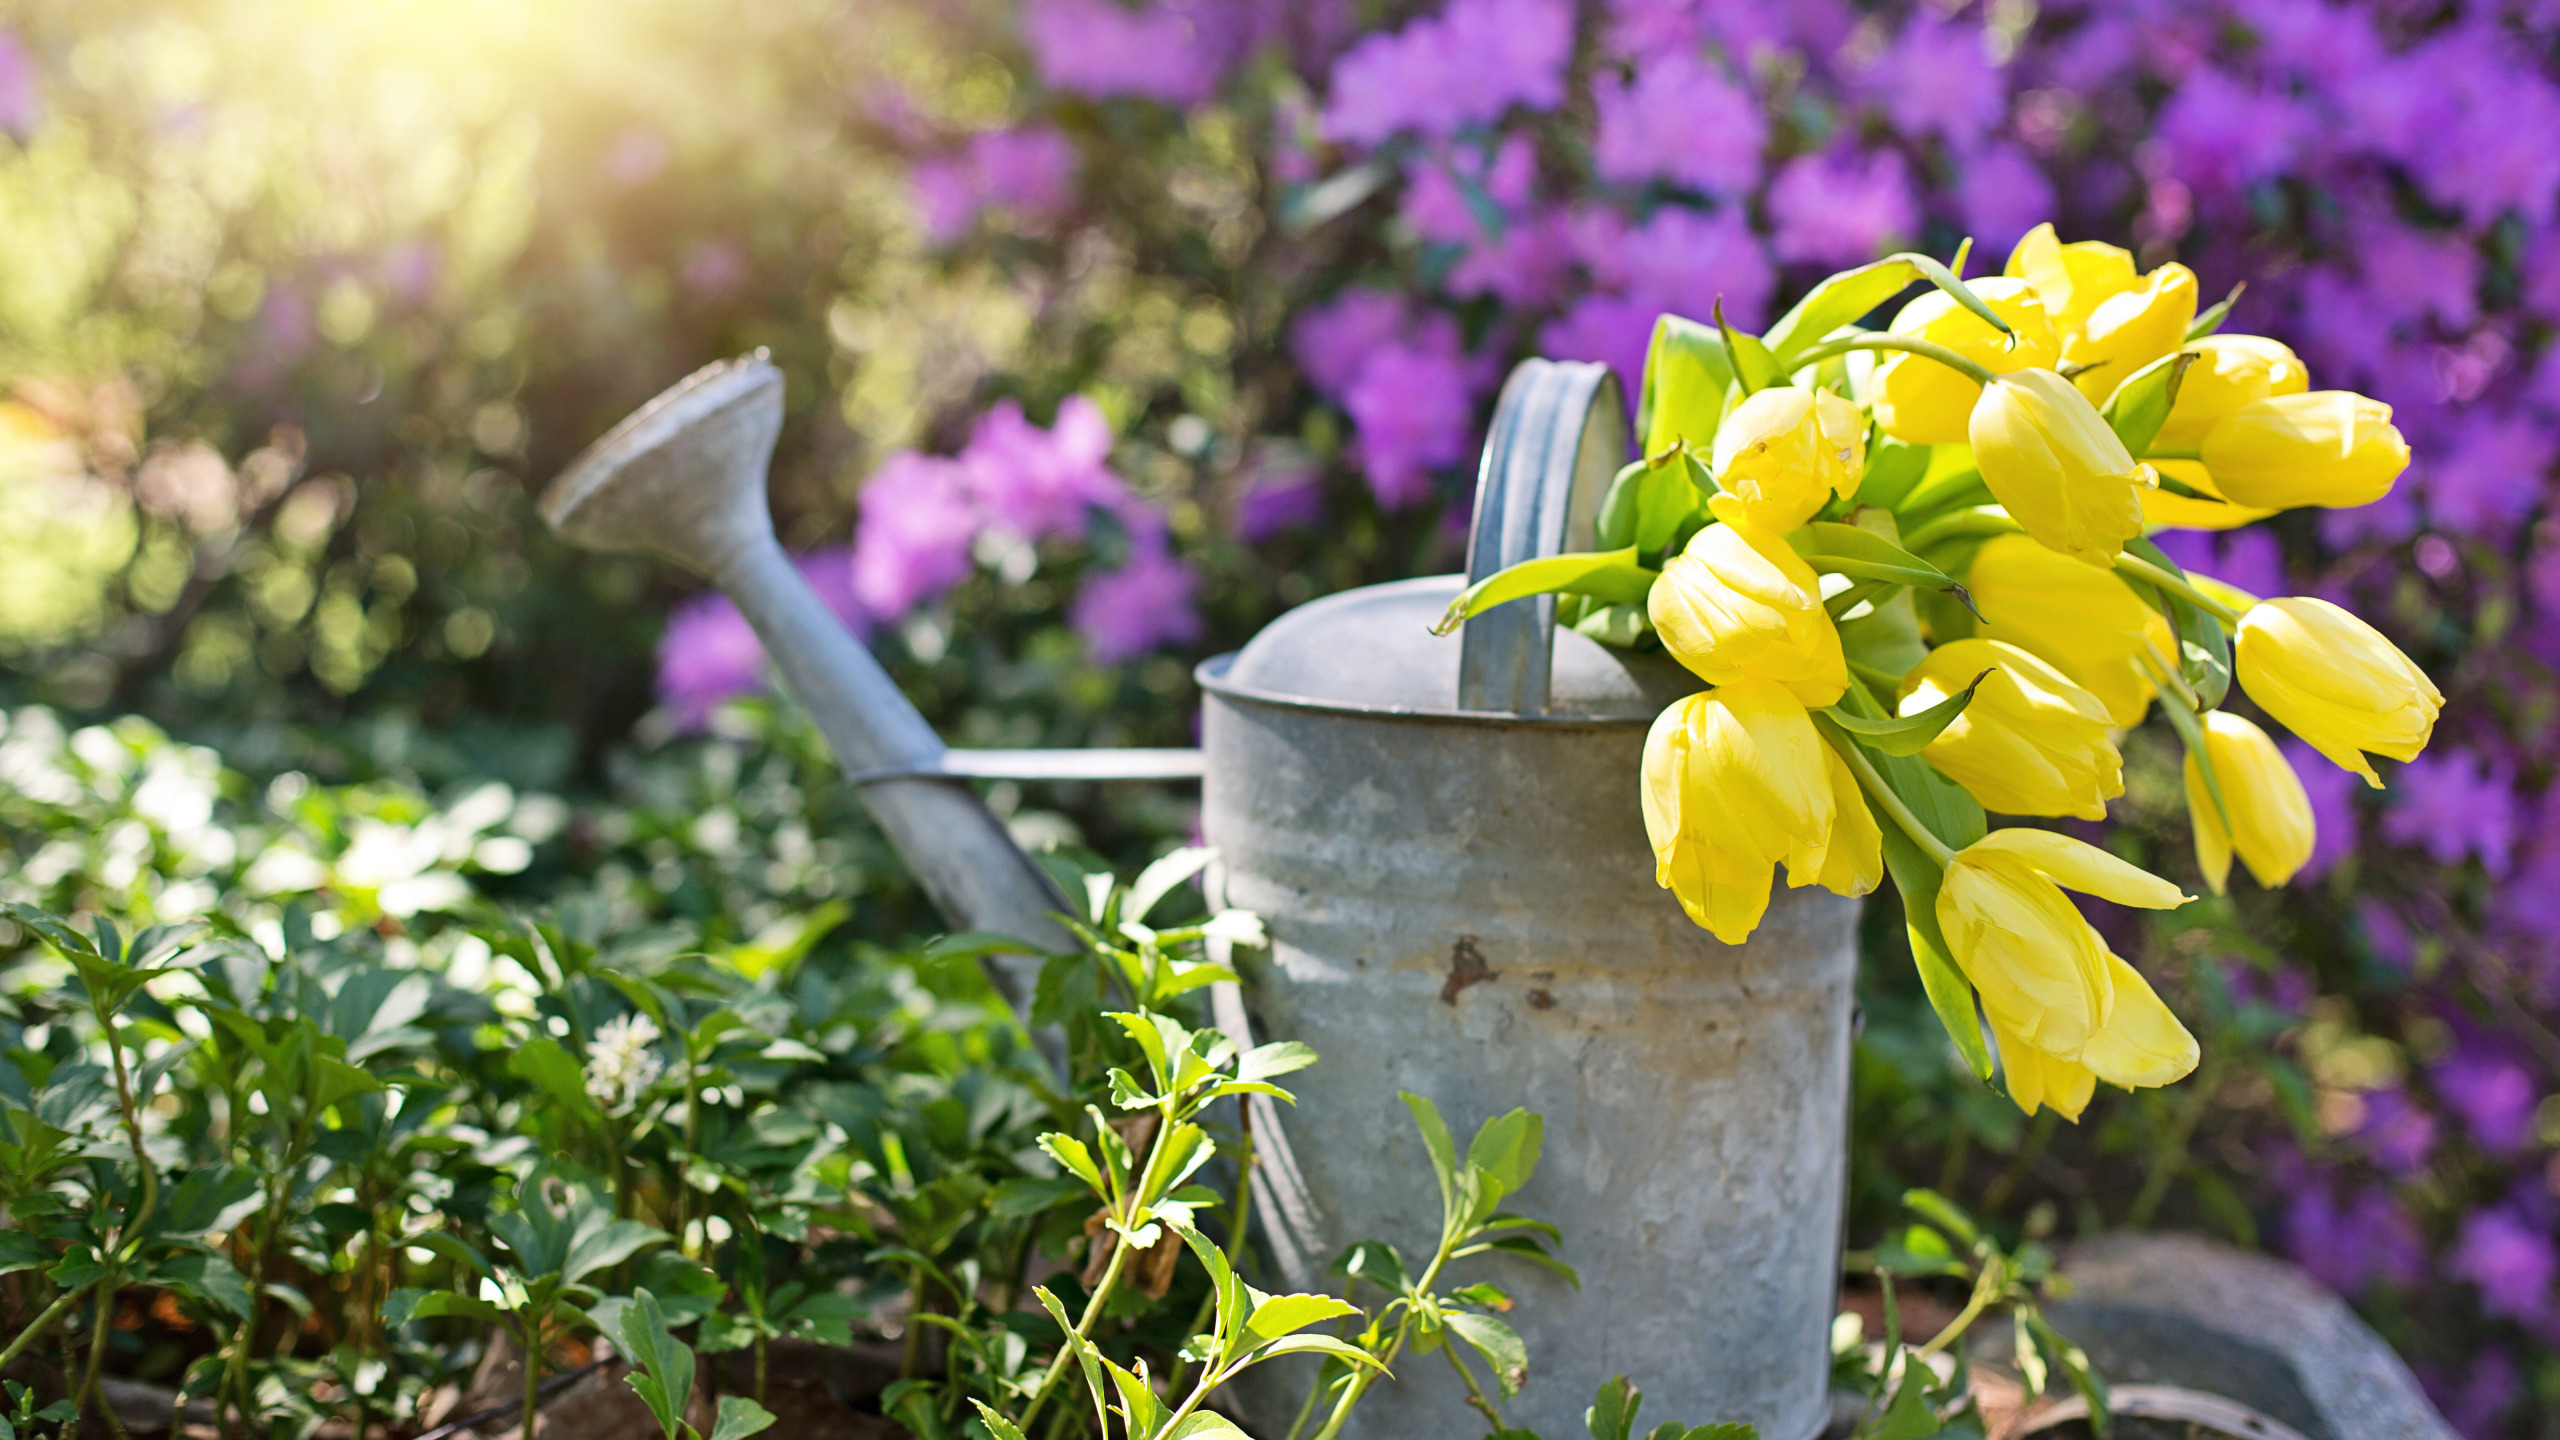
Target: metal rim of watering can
2169	1402
1211	676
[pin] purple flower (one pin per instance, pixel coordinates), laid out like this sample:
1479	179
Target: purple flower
2333	807
1678	119
2386	934
21	107
2347	1247
1611	329
2509	1258
1436	200
2492	478
2396	1132
2417	273
912	541
2454	804
713	269
2540	270
1159	51
1841	208
1282	491
708	655
2002	195
945	196
1684	262
1414	412
1462	67
2220	136
2493	1094
1526	268
1145	603
1039	483
1936	78
1334	340
2477	1408
1029	172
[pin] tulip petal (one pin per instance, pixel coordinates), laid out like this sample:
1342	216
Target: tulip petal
2142	1044
2083	867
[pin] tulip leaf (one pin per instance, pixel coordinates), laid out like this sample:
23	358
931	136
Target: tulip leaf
1754	368
2211	320
1948	810
1907	734
1850	295
1893	468
1686	372
1832	548
1626	627
1917	877
1615	526
2140	406
1612	576
2204	646
1656	506
2182	718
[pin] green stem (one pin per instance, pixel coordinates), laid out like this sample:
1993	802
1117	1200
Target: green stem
1237	1216
1364	1378
1873	676
532	1375
1475	1393
2150	574
1873	783
2173	452
105	1300
150	1179
43	1322
1972	520
1973	370
1084	1328
1985	1288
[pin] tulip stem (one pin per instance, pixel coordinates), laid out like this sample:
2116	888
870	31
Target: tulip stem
2150	574
1973	370
2173	452
1972	520
1887	801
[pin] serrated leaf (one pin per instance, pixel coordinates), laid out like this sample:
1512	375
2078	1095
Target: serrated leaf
1909	1416
1071	1152
1614	576
740	1417
1499	1344
1612	1415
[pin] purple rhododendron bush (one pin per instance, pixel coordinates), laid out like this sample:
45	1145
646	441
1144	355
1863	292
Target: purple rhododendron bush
1112	330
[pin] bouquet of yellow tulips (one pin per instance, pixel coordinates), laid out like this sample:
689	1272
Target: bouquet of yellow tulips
1910	565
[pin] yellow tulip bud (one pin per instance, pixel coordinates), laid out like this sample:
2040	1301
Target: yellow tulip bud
2329	447
1786	451
2141	1045
2229	372
2130	329
1921	400
2041	970
2074	279
2271	824
1736	780
1737	604
2084	622
2031	743
2052	463
2333	680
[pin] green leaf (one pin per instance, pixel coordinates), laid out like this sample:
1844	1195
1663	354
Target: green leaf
1671	504
1916	876
1288	1314
207	1277
1526	1247
2140	405
739	1418
1612	1415
1686	373
1893	468
2211	320
1754	368
1946	808
1205	1425
1907	734
549	1066
996	1424
402	1306
1321	1345
1611	575
662	1366
1909	1417
1506	1149
1623	626
1846	297
1835	549
976	945
1160	878
2073	1362
1281	1057
21	1251
1943	1213
1917	1250
1499	1344
1729	1430
2204	646
1071	1152
1377	1262
1435	1138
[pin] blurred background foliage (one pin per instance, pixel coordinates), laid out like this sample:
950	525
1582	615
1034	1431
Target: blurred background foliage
301	304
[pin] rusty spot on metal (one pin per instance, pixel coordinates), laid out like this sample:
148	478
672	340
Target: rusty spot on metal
1466	967
1541	1000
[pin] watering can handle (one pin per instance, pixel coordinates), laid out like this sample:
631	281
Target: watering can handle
1559	436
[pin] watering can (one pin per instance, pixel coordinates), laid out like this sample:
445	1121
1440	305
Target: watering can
1444	842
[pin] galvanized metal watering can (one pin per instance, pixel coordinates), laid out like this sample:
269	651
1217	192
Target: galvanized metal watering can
1444	840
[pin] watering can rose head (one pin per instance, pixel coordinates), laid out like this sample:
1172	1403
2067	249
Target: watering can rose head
1924	592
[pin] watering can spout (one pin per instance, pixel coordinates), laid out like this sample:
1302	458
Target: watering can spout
683	478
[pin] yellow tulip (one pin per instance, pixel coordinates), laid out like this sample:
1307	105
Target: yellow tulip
1735	781
2329	447
2072	280
2271	824
1922	401
2130	329
2333	680
1786	451
2031	743
2053	464
2085	622
2041	970
2142	1045
1737	604
2229	372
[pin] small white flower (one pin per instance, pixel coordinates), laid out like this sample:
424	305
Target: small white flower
621	1065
